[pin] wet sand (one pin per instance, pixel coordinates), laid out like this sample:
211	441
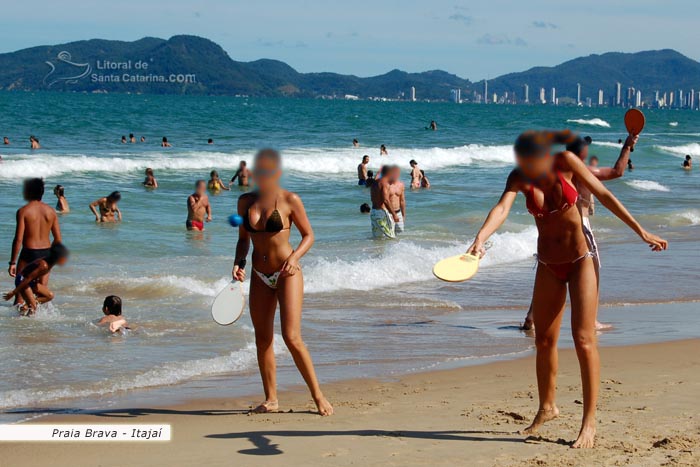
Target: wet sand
469	416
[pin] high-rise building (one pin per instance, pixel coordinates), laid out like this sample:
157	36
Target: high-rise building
679	99
554	96
578	93
671	98
638	99
526	93
486	91
657	102
412	94
618	94
601	98
629	102
543	98
456	96
691	99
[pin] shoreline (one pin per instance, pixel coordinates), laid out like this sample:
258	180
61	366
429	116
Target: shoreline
440	417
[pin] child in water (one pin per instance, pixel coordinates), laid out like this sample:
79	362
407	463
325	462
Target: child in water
29	280
112	309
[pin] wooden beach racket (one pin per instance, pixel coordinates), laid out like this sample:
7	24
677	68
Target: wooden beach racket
228	304
634	121
458	268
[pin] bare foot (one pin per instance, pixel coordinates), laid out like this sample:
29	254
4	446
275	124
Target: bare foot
586	437
324	407
542	417
267	407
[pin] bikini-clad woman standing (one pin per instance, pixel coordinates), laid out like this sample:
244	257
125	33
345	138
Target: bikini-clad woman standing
268	214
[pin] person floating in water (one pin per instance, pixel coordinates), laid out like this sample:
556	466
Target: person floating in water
564	260
6	141
210	141
143	139
355	143
164	143
34	142
198	207
123	139
362	171
383	151
37	222
416	175
62	202
113	318
688	162
242	174
150	180
132	138
215	185
32	288
106	209
433	125
383	219
268	216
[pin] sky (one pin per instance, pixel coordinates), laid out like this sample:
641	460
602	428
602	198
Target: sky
474	40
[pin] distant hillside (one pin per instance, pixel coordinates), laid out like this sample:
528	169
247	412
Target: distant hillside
663	70
193	65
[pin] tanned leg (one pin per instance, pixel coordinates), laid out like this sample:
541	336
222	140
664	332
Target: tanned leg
291	297
263	302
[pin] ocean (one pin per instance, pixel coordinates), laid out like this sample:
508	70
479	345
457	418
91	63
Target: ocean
373	308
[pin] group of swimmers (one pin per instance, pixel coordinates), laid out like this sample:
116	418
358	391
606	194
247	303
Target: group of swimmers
558	187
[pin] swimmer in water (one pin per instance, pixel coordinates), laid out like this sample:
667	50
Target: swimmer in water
355	143
62	203
424	183
433	125
113	318
416	175
143	139
565	262
150	180
277	278
210	141
383	151
123	139
215	184
242	174
164	143
132	138
687	163
106	209
34	142
362	171
6	141
31	288
198	207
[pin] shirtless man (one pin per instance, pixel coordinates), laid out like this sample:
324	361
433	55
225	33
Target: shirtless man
242	174
416	175
106	209
362	171
398	196
382	217
585	198
198	207
36	224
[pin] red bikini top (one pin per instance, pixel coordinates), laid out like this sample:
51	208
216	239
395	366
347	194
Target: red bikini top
569	198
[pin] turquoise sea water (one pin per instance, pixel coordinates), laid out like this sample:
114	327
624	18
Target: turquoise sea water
372	307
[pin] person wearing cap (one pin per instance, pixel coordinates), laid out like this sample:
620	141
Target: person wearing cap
585	201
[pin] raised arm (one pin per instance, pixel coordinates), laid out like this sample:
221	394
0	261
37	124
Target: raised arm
618	170
496	217
16	244
609	200
301	221
243	244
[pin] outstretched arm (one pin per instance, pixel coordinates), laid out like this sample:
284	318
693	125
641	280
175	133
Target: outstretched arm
301	220
618	170
497	216
609	200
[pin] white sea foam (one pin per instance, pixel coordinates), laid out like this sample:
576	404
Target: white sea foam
693	149
311	160
608	144
167	285
692	217
673	124
590	122
406	261
647	185
162	375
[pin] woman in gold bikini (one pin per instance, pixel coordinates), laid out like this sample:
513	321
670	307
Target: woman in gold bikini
268	214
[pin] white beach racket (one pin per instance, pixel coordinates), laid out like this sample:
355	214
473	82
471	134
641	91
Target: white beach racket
228	304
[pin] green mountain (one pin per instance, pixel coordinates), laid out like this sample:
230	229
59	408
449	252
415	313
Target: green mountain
194	65
662	70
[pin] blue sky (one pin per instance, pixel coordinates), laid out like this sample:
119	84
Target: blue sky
471	39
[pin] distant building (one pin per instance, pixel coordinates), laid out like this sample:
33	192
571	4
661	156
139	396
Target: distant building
456	96
618	94
543	98
601	98
589	102
691	99
413	94
638	99
526	93
350	97
554	96
578	93
486	91
679	99
671	98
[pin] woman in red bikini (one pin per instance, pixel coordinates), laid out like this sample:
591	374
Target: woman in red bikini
564	259
268	215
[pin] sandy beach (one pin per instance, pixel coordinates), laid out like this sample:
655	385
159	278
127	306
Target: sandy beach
468	416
